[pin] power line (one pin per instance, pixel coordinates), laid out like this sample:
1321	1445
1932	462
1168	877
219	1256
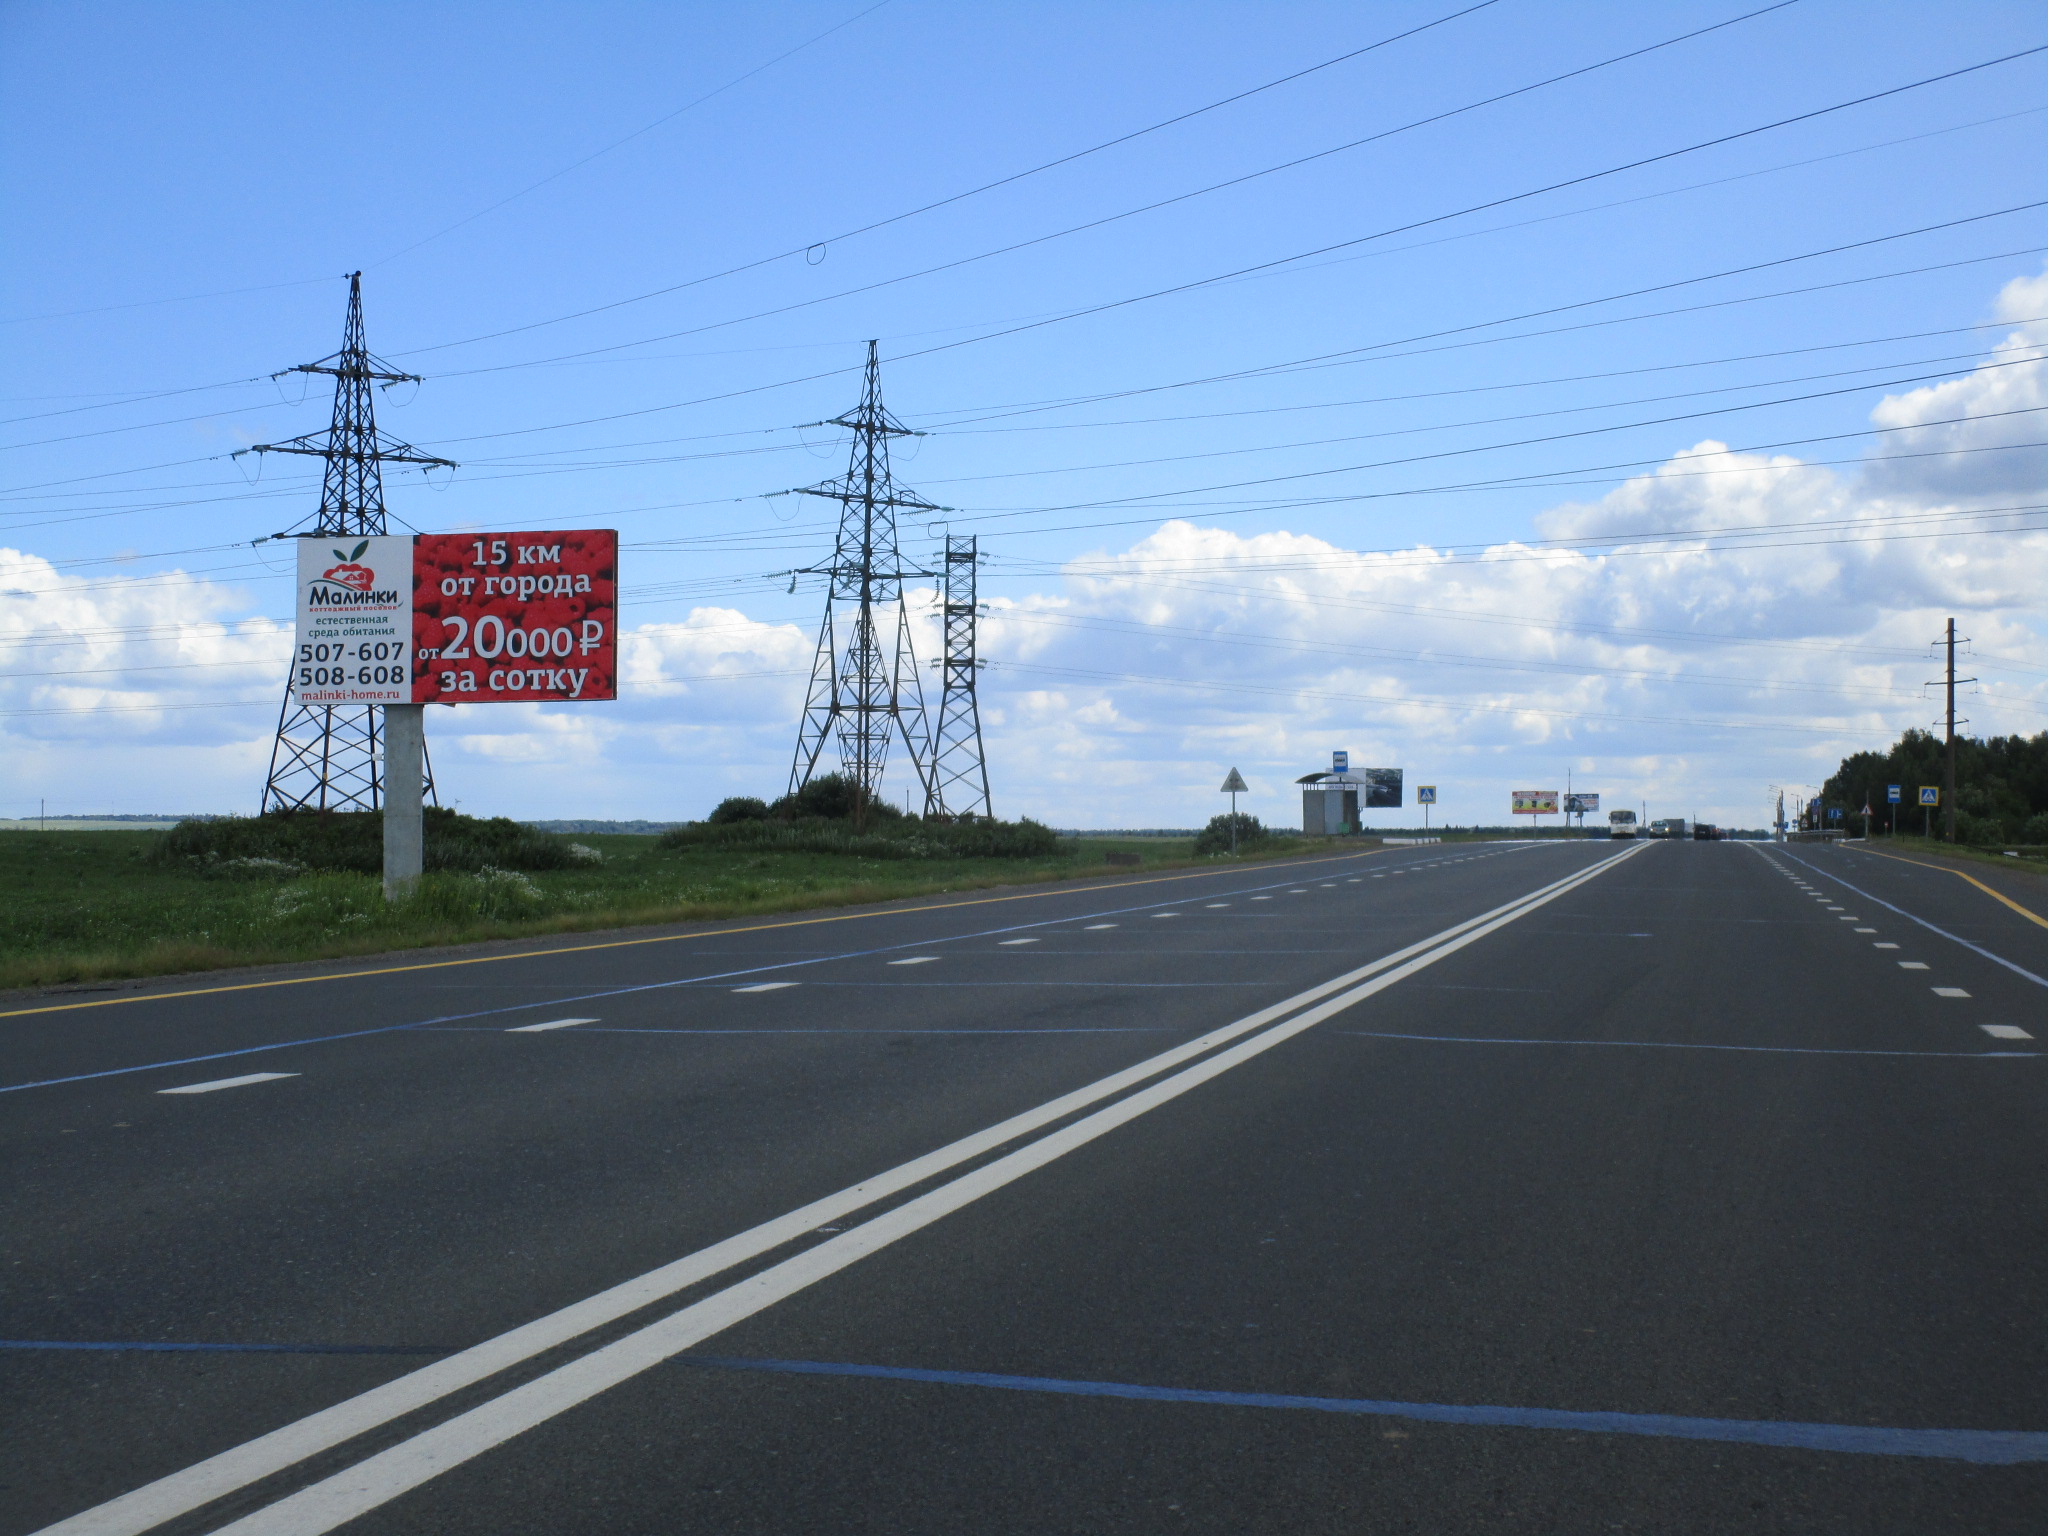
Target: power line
1334	359
1486	421
1433	657
1527	442
1516	197
635	134
943	202
1152	207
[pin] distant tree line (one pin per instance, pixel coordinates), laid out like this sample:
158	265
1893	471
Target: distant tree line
2001	785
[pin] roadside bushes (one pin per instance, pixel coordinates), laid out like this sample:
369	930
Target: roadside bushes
289	842
819	818
738	808
902	837
1215	838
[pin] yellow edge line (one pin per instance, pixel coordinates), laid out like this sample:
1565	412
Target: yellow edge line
662	938
2032	917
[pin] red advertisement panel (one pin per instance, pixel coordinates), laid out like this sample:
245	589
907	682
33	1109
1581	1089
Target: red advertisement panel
511	617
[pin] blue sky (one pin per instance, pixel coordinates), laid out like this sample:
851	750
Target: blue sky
1165	602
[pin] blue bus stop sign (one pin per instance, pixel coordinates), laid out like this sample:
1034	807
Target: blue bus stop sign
1891	793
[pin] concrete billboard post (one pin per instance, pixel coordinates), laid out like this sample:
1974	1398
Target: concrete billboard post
404	621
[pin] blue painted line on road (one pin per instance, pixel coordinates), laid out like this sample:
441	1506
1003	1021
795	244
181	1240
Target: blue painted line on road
128	1346
622	1029
1692	1045
2021	970
1992	1447
186	1061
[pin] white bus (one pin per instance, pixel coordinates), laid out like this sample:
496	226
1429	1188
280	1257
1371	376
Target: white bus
1621	823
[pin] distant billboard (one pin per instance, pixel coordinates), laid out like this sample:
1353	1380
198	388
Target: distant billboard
1382	788
1534	802
1578	804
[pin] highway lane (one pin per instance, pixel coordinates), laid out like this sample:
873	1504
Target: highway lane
1680	1141
438	1184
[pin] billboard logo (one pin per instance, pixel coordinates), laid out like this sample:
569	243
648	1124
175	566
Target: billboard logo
357	578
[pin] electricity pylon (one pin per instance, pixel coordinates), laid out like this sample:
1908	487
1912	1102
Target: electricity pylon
326	757
959	771
861	691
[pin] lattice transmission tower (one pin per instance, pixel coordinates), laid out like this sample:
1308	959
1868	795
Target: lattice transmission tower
864	688
959	770
326	757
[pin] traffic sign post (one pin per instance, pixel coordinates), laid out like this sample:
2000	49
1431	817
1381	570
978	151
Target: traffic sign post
1425	796
1893	793
1930	797
1233	786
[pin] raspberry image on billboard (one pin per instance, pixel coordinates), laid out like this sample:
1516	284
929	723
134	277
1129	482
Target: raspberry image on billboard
515	617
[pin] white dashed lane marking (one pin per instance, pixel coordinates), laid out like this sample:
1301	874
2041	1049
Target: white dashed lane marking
1095	927
1166	914
535	1029
1912	965
765	986
1950	992
2005	1032
1866	930
229	1082
1011	943
1884	946
915	960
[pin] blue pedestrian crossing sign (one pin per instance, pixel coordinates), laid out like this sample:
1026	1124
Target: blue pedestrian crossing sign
1425	794
1930	794
1891	792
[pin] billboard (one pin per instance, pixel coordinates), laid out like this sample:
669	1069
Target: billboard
1533	802
473	618
355	621
1382	788
516	617
1579	804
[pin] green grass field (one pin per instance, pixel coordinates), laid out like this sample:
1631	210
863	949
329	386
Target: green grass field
83	906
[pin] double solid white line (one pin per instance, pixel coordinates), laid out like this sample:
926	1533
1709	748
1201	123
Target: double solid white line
343	1496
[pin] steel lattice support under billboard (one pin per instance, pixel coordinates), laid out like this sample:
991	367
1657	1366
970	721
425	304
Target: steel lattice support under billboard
864	684
327	757
959	770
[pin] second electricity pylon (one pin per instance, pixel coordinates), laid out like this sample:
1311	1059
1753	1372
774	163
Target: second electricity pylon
865	691
959	774
326	757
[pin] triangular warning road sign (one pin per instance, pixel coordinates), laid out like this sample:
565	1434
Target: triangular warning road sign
1235	784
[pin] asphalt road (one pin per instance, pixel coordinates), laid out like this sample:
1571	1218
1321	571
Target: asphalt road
1660	1187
